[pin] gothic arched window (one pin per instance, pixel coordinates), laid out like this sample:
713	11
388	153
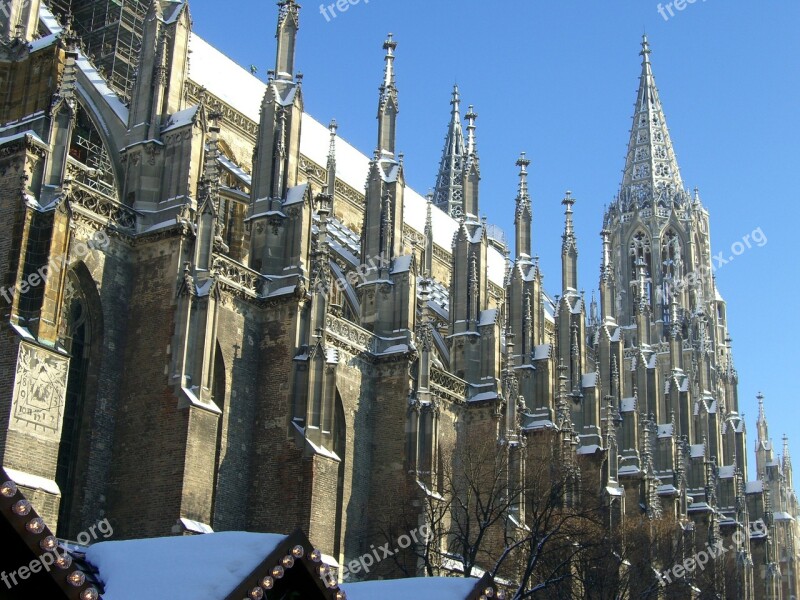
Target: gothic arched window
81	332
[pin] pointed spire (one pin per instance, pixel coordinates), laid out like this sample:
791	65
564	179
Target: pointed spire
429	238
523	214
448	194
787	458
472	143
209	186
651	174
331	183
288	25
388	106
569	229
762	416
569	247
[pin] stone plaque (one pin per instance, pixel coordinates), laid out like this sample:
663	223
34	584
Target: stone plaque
40	390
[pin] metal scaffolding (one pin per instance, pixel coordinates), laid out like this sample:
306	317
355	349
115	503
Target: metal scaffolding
111	33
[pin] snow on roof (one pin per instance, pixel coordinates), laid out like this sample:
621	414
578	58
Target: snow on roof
589	380
99	83
236	86
43	42
541	352
590	449
628	405
195	526
727	472
296	194
419	588
698	451
488	317
49	20
754	487
171	13
33	482
235	170
19	136
197	567
665	430
483	396
402	264
181	118
225	79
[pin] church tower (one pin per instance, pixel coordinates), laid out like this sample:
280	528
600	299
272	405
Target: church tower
675	381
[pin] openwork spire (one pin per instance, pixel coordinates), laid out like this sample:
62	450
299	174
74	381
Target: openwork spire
448	194
651	175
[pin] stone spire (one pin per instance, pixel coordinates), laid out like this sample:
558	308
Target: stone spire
787	463
607	295
472	142
288	25
569	247
651	173
448	193
472	166
764	451
330	187
428	267
523	214
388	106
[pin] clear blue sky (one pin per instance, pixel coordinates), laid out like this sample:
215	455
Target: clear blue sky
558	79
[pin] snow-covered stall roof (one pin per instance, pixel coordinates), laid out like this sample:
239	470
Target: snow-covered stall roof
200	567
239	88
419	588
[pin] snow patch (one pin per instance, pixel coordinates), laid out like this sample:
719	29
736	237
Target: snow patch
197	567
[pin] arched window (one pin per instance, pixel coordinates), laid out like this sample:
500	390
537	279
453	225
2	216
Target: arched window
81	333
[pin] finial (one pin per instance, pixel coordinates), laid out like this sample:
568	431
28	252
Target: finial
645	53
390	45
569	202
455	102
472	145
523	163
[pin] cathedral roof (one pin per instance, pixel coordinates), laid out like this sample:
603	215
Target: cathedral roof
235	86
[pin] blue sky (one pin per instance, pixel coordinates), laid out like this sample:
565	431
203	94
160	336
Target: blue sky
558	79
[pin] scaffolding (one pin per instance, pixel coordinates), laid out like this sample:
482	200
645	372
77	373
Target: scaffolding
111	35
